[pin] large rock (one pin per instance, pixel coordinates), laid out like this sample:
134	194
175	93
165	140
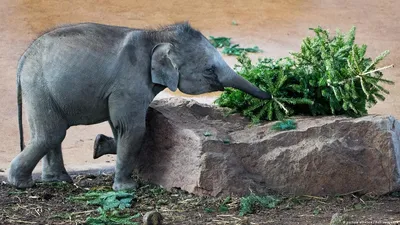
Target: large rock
197	148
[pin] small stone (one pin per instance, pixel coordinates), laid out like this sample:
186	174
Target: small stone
152	218
338	218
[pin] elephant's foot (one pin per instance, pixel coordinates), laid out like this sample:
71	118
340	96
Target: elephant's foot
56	177
128	184
104	145
18	180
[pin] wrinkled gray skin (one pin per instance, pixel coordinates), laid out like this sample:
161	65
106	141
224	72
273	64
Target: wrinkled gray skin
89	73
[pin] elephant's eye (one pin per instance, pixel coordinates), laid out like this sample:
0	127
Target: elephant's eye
210	70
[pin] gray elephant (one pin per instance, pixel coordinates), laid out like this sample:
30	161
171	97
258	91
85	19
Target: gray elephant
88	73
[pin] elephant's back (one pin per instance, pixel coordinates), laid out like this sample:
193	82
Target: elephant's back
89	36
73	42
75	65
78	49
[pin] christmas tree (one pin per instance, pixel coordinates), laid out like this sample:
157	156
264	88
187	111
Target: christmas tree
329	76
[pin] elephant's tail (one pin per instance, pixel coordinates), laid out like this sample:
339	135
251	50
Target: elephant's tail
19	102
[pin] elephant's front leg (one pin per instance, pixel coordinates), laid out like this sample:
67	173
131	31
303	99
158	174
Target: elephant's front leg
128	146
129	122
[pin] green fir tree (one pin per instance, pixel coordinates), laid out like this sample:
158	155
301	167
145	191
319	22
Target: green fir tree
329	76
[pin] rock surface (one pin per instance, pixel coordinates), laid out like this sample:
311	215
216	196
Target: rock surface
197	148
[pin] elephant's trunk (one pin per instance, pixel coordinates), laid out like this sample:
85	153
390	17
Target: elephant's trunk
236	81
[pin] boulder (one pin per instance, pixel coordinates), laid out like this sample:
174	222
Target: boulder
197	148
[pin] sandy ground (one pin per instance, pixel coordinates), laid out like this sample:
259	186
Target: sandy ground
276	26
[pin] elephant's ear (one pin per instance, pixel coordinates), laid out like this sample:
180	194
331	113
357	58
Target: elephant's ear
163	70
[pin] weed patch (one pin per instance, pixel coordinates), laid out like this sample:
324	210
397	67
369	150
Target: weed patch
112	205
284	125
248	203
229	48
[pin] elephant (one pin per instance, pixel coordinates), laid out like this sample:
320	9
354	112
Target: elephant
88	73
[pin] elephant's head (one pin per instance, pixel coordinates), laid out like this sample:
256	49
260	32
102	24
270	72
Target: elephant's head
183	58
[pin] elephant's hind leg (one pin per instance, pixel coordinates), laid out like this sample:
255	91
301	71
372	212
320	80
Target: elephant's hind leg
48	130
53	166
104	145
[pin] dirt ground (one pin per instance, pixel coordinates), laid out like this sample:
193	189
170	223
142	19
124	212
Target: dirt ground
51	204
276	26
